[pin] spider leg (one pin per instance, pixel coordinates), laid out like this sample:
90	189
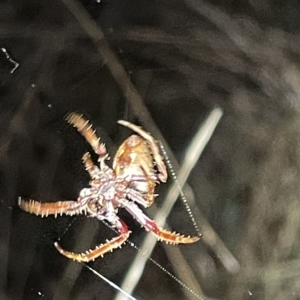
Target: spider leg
145	200
54	208
90	167
168	236
99	250
85	128
154	148
150	225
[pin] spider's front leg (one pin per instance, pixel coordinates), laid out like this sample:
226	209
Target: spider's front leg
86	130
60	207
52	208
103	248
150	225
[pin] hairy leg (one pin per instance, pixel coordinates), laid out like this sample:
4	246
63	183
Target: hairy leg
85	128
150	225
90	167
52	208
101	249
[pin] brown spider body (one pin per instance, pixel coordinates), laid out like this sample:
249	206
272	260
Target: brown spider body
137	167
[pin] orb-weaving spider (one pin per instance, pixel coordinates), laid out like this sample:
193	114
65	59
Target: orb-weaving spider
137	167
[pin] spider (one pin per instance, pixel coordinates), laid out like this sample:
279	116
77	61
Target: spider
137	167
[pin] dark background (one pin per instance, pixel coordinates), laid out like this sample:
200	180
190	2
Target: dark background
164	65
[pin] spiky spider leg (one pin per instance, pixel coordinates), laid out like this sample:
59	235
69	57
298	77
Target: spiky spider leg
86	130
150	225
102	249
167	236
90	167
154	148
74	208
55	208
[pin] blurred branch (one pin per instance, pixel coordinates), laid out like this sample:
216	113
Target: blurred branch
266	48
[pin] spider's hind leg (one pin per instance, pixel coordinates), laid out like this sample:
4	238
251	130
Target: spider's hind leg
150	225
99	250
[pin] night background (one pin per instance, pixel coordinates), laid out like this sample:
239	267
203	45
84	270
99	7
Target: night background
167	66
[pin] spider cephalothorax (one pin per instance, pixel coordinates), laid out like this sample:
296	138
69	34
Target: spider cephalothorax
137	167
